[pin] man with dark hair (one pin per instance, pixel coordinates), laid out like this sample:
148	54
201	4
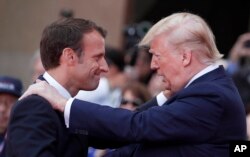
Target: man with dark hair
72	53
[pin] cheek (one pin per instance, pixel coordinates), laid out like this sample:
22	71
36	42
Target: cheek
93	68
165	66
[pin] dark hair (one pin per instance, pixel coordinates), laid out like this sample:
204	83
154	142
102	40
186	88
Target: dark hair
115	57
62	34
138	89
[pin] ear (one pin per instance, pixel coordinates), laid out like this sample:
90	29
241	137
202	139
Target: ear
186	57
68	57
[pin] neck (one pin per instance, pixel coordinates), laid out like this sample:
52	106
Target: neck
64	80
194	70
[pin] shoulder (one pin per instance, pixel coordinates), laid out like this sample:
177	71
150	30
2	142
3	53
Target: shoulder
32	104
212	92
33	111
206	89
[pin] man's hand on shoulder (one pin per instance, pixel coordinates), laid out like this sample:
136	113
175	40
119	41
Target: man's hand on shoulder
43	89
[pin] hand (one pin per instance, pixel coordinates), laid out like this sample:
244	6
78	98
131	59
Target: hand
167	93
167	89
43	89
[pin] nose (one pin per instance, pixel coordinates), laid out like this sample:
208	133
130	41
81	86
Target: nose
104	66
153	64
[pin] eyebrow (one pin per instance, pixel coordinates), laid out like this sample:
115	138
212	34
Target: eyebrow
100	54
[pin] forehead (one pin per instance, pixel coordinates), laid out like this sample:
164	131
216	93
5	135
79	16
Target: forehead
159	42
93	42
6	96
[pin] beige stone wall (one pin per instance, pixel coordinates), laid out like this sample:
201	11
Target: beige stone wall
22	22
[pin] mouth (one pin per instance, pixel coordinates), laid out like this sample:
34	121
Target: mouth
97	76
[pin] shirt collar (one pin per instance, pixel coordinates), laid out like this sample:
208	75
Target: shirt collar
203	72
55	84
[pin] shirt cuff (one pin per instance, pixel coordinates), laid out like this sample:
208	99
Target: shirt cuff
161	99
67	111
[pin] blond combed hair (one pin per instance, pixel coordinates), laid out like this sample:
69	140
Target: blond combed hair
189	30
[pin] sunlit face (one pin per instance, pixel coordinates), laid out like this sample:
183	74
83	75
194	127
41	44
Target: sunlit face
6	102
92	63
167	62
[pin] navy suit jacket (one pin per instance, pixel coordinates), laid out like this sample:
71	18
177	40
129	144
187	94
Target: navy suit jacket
36	130
199	121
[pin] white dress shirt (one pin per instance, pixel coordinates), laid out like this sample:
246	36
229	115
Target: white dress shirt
60	89
161	99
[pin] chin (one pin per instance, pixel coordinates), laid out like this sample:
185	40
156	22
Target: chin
93	87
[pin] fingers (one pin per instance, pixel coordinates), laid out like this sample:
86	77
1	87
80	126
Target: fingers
39	86
26	93
38	80
167	93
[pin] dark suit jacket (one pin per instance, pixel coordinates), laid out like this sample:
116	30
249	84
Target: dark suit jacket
199	121
36	130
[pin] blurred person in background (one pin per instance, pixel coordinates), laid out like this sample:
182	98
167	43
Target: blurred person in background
239	55
138	65
239	67
10	90
115	76
142	66
137	60
37	68
242	81
134	94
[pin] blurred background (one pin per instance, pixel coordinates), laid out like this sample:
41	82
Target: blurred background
22	22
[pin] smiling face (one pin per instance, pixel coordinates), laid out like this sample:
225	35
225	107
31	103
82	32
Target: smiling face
91	64
167	60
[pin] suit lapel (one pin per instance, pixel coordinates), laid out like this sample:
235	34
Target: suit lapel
41	78
210	76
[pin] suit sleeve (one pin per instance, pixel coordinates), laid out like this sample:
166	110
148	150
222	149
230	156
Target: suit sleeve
125	151
147	105
32	130
183	120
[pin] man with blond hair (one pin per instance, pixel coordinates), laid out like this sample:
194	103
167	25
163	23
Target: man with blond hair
197	115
